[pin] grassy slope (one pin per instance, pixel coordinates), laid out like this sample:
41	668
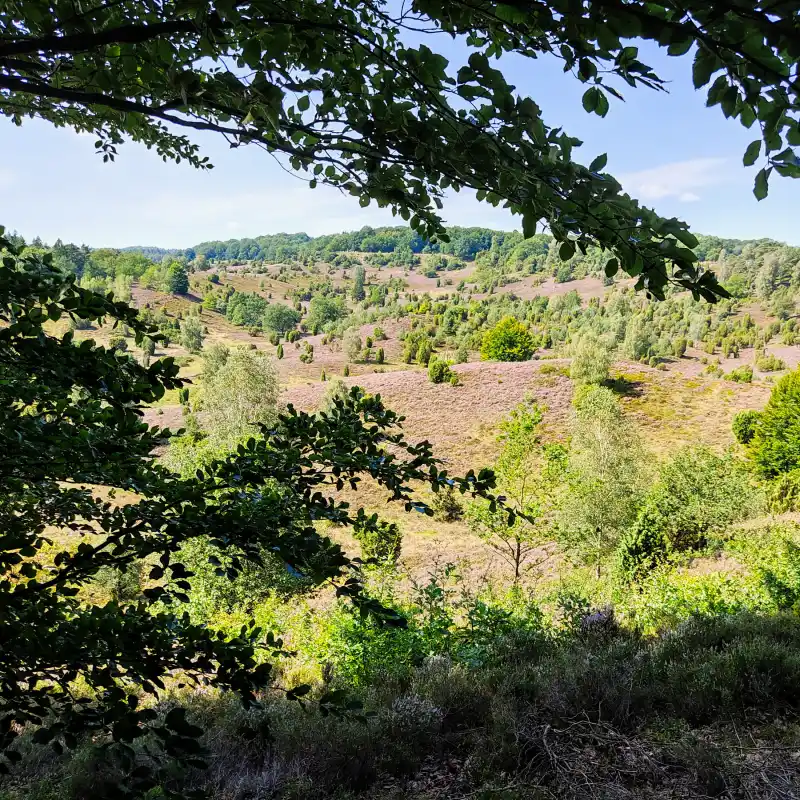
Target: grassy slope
676	407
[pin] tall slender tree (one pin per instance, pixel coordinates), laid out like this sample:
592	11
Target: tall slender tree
359	274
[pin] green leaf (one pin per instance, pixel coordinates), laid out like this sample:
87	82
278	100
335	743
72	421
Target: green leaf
705	64
591	98
761	188
752	153
681	47
528	226
599	163
685	237
566	251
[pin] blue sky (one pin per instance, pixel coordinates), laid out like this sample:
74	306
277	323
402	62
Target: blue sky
669	150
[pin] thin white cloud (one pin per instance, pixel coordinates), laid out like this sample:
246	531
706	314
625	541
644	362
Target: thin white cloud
683	180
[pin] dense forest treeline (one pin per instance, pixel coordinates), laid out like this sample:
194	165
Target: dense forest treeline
465	243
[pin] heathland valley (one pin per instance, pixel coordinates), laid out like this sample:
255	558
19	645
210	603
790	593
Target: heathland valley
636	584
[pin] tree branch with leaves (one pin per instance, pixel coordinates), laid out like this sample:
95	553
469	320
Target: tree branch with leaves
336	89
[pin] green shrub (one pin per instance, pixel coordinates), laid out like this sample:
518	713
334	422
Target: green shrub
773	555
644	546
745	424
670	596
307	353
553	369
446	505
725	664
775	447
591	360
770	363
382	544
214	590
117	342
509	340
424	352
122	585
743	374
439	371
191	336
177	280
698	494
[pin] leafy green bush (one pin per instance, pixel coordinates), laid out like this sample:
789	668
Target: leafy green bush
118	342
307	353
509	340
439	371
724	663
605	477
591	360
351	342
177	280
279	318
553	369
644	546
424	352
773	555
446	505
698	494
192	334
770	363
745	424
216	587
123	584
381	542
670	596
775	447
743	374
